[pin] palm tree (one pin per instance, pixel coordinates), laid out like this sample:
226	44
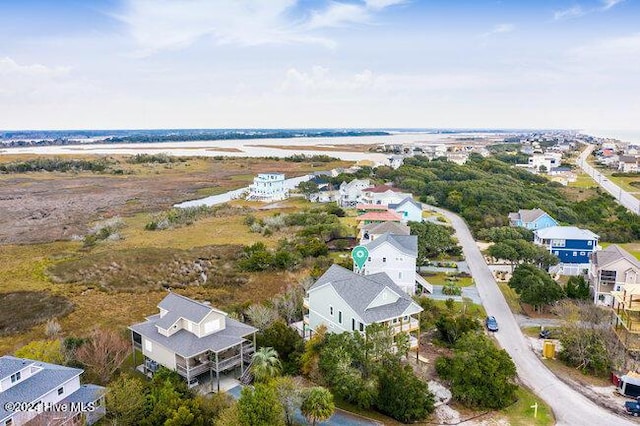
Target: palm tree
265	364
317	404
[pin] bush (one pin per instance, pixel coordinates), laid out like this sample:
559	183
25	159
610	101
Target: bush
450	289
452	328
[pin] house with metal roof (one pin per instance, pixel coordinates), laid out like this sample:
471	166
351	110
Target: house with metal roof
532	219
193	339
343	301
396	255
610	270
377	217
37	392
572	245
408	209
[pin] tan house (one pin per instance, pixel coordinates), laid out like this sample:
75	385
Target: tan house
611	269
626	307
193	339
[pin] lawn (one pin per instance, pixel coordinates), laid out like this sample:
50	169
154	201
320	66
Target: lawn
472	309
512	298
583	181
522	414
442	278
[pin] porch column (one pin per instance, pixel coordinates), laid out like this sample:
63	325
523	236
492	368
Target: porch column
255	348
186	365
241	360
133	346
418	348
217	372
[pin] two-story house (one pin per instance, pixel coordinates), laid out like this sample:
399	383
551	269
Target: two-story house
373	230
351	193
532	219
611	269
408	209
396	255
193	339
37	392
343	301
629	164
384	195
268	187
572	245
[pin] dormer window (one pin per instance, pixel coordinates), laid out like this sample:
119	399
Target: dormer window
15	377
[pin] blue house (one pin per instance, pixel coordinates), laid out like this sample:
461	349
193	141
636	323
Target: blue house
409	209
572	245
532	219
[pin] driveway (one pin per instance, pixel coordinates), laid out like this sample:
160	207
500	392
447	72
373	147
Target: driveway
569	406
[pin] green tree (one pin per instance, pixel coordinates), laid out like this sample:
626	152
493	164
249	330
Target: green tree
577	288
433	240
42	350
535	286
289	396
126	400
259	406
453	327
504	251
286	342
480	375
307	188
317	404
265	364
402	395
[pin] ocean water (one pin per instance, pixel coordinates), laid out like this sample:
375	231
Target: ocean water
632	136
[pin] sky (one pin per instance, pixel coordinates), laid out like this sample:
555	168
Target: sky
134	64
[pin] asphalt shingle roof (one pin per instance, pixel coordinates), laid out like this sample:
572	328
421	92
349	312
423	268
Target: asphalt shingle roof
565	233
405	243
360	290
86	394
50	377
390	227
527	216
406	200
611	254
180	306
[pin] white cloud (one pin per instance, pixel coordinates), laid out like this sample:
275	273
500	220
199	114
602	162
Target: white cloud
500	29
9	66
572	12
608	4
167	24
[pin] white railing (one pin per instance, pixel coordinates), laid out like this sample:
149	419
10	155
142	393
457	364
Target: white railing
406	326
424	283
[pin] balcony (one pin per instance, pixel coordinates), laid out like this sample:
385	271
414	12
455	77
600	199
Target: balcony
305	319
407	326
193	371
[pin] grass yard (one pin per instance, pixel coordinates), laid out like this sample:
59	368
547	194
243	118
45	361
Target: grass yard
442	278
522	414
583	181
512	298
472	309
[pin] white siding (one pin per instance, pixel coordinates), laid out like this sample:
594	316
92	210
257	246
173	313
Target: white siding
400	267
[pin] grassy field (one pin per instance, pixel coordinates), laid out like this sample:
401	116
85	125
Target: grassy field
583	181
522	414
442	278
513	300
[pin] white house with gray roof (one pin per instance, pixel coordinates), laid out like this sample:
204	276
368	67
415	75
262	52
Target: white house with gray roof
611	269
408	209
345	301
396	255
37	392
193	339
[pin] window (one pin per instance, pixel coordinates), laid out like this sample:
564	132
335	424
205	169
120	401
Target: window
353	324
369	259
575	253
590	243
558	243
60	391
9	422
582	253
557	253
15	377
148	346
384	260
400	275
340	317
608	277
361	326
331	310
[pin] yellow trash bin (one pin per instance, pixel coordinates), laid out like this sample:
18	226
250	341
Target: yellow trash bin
549	349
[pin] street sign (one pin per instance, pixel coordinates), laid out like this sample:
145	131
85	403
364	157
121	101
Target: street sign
360	254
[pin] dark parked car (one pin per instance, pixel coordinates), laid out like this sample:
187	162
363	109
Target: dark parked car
547	334
632	407
492	324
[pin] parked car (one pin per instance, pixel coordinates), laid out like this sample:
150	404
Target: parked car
632	407
547	334
492	324
193	382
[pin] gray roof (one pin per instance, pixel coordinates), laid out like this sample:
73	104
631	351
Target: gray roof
86	394
11	365
187	344
395	228
51	376
179	306
612	254
406	200
405	243
358	291
565	233
528	216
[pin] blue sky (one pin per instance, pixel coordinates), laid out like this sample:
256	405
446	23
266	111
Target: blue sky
312	63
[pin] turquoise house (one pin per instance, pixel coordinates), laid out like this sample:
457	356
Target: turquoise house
532	219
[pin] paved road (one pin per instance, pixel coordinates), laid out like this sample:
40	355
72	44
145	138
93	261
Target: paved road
623	197
570	407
